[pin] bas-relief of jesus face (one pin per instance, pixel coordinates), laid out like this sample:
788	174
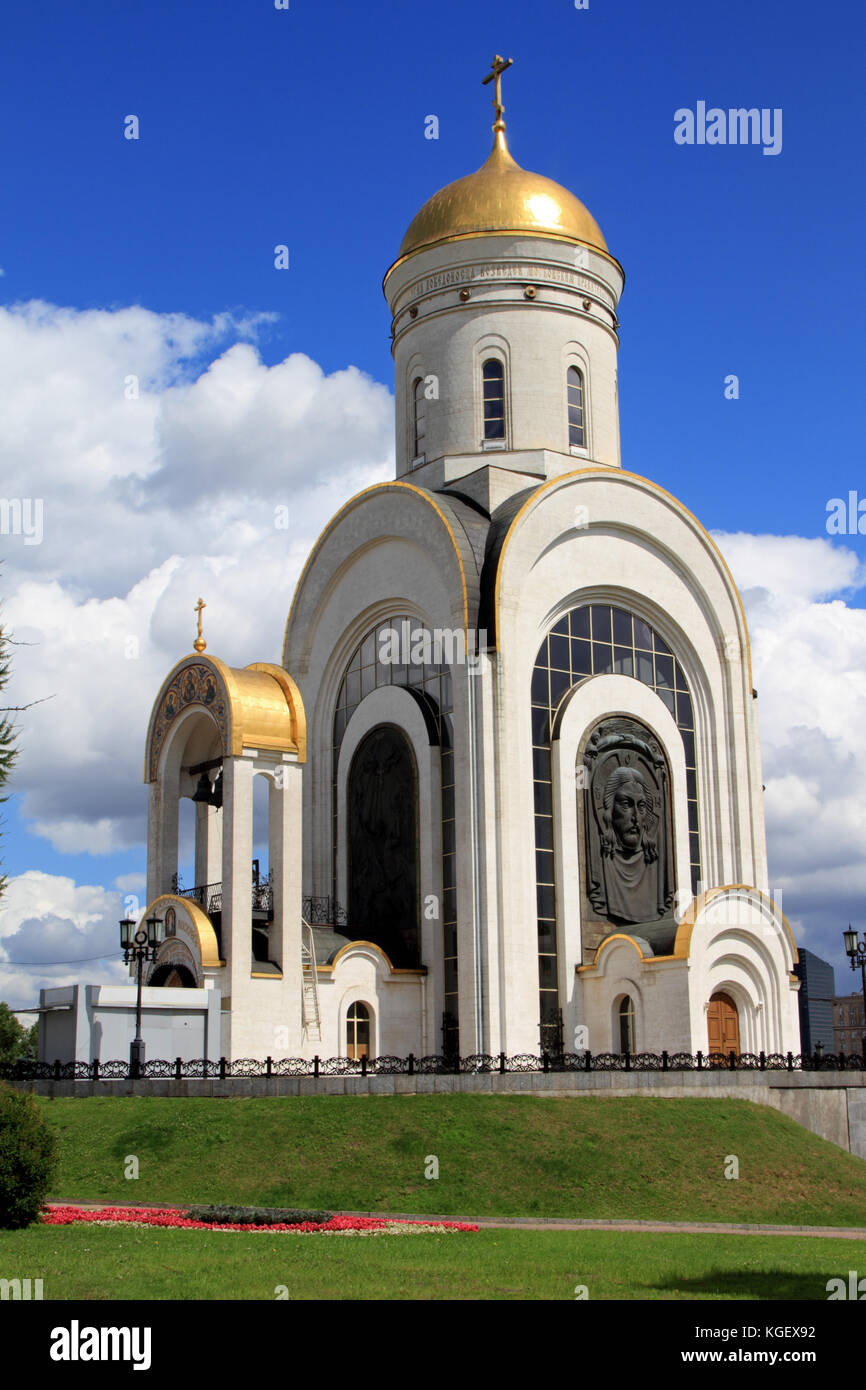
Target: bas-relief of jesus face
629	815
628	809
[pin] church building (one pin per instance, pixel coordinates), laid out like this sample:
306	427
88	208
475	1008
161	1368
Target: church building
511	746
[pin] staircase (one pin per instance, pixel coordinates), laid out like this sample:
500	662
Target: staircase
310	993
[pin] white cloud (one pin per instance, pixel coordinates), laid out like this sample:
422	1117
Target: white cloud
130	883
49	918
791	566
194	465
809	666
149	503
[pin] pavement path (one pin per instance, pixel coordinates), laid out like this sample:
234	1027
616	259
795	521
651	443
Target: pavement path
556	1223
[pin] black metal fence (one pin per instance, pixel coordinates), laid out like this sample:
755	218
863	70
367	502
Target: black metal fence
438	1065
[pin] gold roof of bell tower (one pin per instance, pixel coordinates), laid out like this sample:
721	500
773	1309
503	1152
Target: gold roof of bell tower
501	198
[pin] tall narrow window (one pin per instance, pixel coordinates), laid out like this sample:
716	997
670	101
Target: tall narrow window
358	1031
577	435
418	424
493	374
593	640
576	432
626	1025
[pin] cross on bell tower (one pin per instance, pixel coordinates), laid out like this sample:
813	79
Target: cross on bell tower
199	644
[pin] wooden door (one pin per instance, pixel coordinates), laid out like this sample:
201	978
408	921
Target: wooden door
723	1024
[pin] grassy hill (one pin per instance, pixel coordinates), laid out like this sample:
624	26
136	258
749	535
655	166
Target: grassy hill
498	1156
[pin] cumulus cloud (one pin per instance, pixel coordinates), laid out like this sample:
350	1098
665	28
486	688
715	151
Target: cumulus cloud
809	666
170	462
265	431
790	566
48	918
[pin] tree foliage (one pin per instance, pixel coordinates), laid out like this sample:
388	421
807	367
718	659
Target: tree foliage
28	1158
15	1040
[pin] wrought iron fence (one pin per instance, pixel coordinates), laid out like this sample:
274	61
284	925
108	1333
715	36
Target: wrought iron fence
209	896
437	1064
323	912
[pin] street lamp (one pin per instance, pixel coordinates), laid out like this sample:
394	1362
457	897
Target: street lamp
140	946
856	952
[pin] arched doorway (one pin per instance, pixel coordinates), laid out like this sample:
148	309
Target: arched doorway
358	1030
383	845
723	1024
172	975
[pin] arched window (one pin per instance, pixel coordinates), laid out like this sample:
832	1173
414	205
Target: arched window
593	640
358	1031
576	431
382	850
418	422
367	671
626	1024
493	374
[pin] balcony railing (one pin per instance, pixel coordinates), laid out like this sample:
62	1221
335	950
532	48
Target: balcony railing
323	912
209	896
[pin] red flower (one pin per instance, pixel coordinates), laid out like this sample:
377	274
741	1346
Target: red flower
172	1216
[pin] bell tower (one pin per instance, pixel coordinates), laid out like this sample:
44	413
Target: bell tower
213	730
504	328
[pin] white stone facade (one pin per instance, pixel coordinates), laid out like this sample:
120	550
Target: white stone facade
488	543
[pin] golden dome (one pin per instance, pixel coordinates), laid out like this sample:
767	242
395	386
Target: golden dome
501	197
259	706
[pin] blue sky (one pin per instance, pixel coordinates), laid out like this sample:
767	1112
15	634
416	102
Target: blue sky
305	127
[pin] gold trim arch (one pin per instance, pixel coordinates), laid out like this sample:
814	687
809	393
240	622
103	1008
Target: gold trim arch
202	925
258	706
608	474
682	944
397	485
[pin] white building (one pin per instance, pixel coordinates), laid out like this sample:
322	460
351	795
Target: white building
513	734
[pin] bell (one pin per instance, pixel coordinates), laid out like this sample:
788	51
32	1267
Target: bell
207	793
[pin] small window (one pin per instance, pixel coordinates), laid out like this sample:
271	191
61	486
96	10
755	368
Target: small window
494	399
418	421
626	1025
358	1031
576	431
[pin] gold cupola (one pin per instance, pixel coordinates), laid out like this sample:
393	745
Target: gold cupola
500	199
503	304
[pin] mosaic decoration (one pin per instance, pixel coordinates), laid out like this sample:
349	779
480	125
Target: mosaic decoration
197	684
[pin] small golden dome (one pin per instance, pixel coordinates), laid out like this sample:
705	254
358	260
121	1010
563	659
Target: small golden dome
501	197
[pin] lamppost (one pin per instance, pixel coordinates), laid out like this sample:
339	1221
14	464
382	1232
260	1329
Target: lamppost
856	953
140	946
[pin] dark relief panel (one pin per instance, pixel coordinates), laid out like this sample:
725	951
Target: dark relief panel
629	860
383	845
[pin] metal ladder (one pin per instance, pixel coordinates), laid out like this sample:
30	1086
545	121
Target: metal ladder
310	992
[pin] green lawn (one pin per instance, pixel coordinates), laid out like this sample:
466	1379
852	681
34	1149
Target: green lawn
90	1262
498	1155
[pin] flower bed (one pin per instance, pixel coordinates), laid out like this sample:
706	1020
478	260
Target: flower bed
176	1217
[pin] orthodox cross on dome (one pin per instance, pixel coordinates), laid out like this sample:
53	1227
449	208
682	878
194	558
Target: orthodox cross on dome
498	65
199	644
